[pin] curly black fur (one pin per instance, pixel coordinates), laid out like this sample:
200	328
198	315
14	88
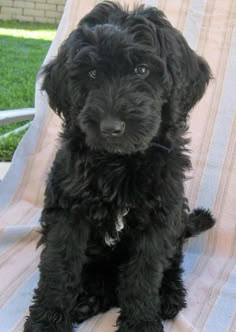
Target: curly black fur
124	83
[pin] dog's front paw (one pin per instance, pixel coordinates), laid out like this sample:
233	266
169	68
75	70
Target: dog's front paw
172	303
169	310
131	325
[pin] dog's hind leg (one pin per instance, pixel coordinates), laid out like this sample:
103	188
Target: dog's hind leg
172	292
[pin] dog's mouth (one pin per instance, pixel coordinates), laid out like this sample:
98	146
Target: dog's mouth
117	146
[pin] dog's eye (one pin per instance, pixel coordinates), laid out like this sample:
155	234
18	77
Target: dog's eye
92	74
141	70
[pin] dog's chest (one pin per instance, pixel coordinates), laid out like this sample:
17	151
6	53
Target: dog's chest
117	193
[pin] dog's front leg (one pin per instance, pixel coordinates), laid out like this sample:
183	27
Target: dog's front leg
140	281
61	264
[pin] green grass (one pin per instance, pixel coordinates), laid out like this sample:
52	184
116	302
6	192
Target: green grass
9	144
23	47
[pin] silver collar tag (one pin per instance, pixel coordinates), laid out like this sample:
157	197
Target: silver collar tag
112	241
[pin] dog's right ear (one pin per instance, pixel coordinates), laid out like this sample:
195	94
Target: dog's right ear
55	83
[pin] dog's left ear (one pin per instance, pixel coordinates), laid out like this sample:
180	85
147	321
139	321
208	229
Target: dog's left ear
189	72
191	75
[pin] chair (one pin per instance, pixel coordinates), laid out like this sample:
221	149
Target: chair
16	115
210	28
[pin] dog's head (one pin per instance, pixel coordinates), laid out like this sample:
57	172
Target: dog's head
121	77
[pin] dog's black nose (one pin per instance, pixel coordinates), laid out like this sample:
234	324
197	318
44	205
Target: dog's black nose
111	127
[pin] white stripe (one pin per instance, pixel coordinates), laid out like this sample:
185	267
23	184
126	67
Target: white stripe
220	139
193	22
220	318
221	134
15	308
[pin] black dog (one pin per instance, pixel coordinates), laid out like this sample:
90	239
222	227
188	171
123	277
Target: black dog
115	215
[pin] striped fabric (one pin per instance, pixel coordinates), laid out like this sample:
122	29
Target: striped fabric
210	272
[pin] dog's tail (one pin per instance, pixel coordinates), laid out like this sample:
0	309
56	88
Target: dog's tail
199	221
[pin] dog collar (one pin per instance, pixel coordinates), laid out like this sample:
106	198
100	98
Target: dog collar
163	147
119	225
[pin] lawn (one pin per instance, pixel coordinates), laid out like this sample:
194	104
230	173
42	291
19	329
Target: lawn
23	47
